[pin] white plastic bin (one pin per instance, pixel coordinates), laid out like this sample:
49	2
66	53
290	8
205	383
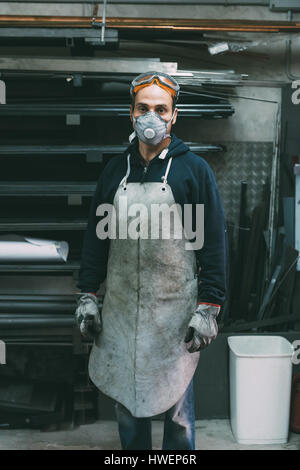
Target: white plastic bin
260	373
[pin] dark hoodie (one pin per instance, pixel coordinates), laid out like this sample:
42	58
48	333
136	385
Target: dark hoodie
192	181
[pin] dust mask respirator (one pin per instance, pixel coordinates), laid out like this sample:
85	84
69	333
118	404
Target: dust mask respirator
151	128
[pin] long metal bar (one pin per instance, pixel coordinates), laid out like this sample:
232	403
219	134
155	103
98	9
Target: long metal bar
70	266
58	188
80	149
159	24
71	65
29	297
123	76
156	2
199	81
31	342
34	308
40	333
284	5
31	307
34	305
30	322
61	298
188	110
55	33
26	225
126	78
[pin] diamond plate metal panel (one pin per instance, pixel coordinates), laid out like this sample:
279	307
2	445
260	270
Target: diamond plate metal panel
243	161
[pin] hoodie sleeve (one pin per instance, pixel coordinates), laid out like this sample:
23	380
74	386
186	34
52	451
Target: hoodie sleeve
94	254
212	256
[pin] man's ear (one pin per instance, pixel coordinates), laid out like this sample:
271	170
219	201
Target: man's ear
175	116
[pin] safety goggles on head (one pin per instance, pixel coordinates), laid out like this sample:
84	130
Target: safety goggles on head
161	79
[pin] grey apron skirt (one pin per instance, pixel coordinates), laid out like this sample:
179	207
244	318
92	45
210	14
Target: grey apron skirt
140	358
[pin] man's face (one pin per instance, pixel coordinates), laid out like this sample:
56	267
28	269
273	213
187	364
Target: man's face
154	98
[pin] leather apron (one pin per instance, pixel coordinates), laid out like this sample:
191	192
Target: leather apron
140	358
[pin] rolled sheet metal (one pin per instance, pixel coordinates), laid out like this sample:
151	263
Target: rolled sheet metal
17	248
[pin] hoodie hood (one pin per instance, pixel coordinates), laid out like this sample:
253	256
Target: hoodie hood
176	148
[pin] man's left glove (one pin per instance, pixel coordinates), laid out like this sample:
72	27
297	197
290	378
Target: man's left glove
203	327
87	314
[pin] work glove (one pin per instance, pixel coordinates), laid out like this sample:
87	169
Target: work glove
87	314
203	327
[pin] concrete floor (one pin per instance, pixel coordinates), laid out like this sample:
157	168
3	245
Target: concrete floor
210	434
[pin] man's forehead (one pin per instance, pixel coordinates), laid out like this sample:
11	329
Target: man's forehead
153	94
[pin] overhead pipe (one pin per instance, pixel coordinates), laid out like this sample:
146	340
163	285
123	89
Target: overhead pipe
161	2
162	24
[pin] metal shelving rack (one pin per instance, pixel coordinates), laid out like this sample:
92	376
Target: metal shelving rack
63	189
29	317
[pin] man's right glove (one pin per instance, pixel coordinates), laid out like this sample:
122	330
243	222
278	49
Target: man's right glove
87	314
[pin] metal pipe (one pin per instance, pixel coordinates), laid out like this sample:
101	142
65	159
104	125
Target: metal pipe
158	2
214	110
162	24
70	266
81	149
40	297
33	307
38	343
36	306
25	321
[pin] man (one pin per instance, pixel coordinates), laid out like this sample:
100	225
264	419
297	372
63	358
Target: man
158	309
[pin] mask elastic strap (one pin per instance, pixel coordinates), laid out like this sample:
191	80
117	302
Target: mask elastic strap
169	135
173	114
132	136
123	182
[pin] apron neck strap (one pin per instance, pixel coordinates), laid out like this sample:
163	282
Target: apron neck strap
164	178
123	182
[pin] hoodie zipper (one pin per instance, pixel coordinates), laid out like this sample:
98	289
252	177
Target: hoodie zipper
145	169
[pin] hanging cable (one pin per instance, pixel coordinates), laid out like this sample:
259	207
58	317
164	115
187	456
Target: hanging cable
288	54
218	95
